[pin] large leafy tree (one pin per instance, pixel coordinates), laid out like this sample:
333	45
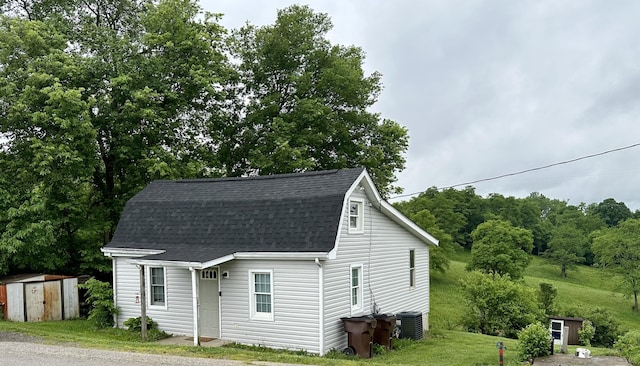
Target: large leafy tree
611	212
618	250
500	249
566	248
304	104
98	98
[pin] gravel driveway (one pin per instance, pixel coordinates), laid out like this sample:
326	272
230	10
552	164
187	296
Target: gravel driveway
21	350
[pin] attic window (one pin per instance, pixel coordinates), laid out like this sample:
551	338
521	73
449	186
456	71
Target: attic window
356	216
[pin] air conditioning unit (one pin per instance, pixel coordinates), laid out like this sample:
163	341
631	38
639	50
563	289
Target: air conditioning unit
411	324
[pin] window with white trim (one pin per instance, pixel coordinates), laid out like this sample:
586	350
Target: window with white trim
356	287
157	288
356	214
261	295
412	267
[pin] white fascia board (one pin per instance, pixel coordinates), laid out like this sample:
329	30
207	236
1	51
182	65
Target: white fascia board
403	221
387	209
282	255
163	263
129	252
218	261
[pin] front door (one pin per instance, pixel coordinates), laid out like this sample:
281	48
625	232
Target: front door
209	303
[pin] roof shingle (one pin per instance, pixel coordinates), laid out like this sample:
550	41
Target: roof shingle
203	219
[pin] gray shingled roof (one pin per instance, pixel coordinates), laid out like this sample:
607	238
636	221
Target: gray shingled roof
204	219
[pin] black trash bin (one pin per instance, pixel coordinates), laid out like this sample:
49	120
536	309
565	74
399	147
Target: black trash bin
360	335
383	334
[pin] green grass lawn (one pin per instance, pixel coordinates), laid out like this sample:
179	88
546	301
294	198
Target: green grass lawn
446	343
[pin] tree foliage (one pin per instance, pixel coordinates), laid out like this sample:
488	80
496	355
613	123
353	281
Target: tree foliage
99	98
533	342
500	249
566	248
499	306
617	249
306	104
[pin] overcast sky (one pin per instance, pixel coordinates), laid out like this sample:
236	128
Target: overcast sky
493	87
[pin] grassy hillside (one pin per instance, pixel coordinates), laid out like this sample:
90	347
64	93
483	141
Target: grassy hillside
585	287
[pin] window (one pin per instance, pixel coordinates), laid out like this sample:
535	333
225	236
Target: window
157	287
412	268
356	288
355	216
261	295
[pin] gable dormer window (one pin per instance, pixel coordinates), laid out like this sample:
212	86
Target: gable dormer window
356	213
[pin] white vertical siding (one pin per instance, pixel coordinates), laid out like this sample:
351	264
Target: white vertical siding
383	249
15	302
177	318
295	305
71	300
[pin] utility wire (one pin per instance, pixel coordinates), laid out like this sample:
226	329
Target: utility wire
526	170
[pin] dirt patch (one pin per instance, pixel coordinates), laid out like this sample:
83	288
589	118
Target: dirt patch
18	337
572	360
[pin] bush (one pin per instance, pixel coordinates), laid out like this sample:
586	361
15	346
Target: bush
606	327
499	306
135	324
100	300
629	346
585	333
535	341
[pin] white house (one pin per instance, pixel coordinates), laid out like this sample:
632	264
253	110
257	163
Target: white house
271	260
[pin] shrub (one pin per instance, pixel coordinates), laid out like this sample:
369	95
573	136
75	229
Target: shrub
535	341
499	306
585	333
100	300
606	327
135	324
629	346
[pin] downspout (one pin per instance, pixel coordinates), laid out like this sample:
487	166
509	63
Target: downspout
320	306
194	293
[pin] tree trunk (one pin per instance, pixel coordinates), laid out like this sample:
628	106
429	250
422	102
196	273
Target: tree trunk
635	299
563	271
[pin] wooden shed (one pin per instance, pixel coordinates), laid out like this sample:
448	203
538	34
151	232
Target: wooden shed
39	297
557	329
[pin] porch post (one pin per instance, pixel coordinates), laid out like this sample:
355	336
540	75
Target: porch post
143	305
194	292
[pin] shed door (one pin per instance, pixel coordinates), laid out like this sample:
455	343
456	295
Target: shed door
52	301
209	303
34	299
557	327
15	302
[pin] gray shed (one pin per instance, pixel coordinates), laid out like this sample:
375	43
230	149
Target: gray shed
39	297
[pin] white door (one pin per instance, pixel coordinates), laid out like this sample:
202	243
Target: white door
34	298
209	303
557	327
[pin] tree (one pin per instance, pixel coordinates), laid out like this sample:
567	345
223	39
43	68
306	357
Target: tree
617	249
566	248
303	104
500	249
438	259
612	212
97	99
499	306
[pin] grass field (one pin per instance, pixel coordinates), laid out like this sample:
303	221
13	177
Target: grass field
446	343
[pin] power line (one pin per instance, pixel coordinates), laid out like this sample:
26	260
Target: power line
526	170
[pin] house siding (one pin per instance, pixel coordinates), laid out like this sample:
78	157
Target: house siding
383	250
177	318
295	305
